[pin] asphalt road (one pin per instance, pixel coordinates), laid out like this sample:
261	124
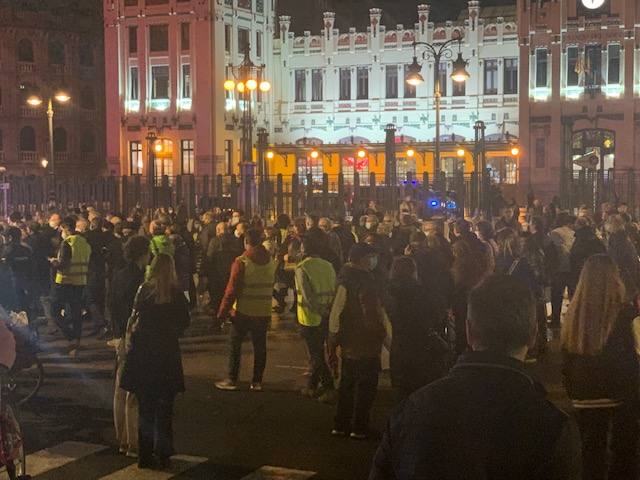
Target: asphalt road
276	434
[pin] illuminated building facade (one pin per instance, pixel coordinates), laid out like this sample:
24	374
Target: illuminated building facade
579	89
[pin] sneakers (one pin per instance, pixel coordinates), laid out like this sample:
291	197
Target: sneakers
256	387
227	385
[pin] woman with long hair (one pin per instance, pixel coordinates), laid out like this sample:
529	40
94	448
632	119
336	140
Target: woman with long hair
600	370
153	364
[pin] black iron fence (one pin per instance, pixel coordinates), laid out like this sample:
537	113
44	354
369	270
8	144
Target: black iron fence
267	196
592	188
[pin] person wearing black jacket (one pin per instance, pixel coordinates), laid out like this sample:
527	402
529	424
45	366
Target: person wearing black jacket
600	371
585	245
126	282
418	353
487	419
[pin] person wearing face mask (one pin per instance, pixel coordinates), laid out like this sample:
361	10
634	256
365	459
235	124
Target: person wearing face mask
72	265
358	325
236	218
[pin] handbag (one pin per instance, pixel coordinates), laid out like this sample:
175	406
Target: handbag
134	320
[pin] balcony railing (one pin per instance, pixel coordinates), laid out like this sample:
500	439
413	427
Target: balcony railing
31	112
26	67
28	157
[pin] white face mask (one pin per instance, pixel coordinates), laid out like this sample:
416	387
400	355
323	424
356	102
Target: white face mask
235	221
373	263
237	233
368	225
64	235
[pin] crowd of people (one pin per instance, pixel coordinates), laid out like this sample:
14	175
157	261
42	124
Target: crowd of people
471	294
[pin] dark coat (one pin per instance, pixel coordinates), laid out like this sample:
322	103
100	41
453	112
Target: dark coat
471	262
124	286
417	358
153	363
585	245
612	374
221	253
486	420
625	255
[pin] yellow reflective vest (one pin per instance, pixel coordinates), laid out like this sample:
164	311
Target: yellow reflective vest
257	288
316	287
76	272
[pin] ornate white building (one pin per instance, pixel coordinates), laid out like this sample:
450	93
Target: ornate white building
344	87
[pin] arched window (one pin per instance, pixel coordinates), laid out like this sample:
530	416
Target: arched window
59	140
24	50
88	142
27	139
87	99
56	53
86	54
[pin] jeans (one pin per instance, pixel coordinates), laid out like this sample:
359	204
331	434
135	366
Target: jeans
68	298
155	429
315	338
357	392
595	425
241	326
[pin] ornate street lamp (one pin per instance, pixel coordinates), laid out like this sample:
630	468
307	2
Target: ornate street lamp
459	74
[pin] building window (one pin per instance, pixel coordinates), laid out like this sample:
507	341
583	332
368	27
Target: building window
503	170
25	50
442	78
593	65
259	44
59	140
541	152
491	77
243	40
135	158
186	80
459	89
87	99
301	85
228	156
310	166
187	154
27	139
409	90
134	84
316	85
163	166
391	75
185	36
613	64
345	84
159	82
56	53
159	38
133	39
227	38
363	83
510	76
574	67
542	68
350	165
86	54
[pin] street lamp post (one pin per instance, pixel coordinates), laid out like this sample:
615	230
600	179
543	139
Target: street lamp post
459	74
151	139
480	161
247	77
35	100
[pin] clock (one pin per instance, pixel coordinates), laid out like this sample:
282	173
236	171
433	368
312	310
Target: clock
593	4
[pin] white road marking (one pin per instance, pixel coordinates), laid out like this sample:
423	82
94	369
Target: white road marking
179	464
60	455
277	473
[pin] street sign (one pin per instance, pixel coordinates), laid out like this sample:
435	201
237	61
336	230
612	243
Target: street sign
4	186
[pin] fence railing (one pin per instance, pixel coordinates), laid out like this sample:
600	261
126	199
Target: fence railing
268	196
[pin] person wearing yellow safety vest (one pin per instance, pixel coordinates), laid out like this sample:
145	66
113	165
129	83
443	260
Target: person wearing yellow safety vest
315	280
72	265
248	294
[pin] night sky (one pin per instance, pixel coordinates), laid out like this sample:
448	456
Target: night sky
307	14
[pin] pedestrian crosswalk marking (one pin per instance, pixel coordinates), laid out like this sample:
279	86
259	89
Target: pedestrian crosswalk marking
276	473
59	456
179	464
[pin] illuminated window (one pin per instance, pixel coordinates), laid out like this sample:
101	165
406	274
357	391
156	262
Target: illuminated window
491	77
542	68
352	164
310	166
160	82
135	158
301	85
187	155
391	77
